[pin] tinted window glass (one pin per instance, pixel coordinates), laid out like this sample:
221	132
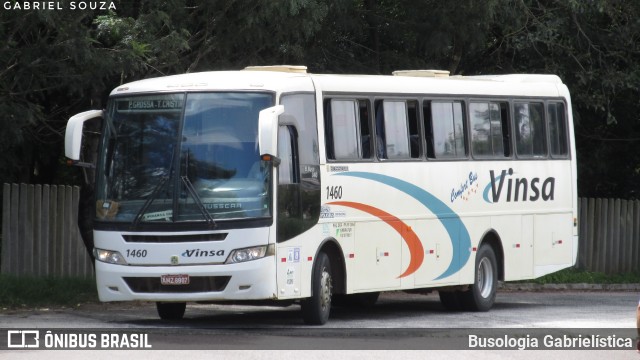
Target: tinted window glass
529	128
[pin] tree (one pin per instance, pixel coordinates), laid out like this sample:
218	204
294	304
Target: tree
593	46
58	63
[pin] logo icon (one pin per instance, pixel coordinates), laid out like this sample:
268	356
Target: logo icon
23	339
175	260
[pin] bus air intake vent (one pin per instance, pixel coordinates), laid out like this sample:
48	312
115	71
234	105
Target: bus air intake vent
421	73
197	284
299	69
174	238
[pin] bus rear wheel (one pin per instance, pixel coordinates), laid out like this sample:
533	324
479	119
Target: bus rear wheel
171	310
482	294
316	309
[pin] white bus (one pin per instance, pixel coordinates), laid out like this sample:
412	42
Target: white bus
272	183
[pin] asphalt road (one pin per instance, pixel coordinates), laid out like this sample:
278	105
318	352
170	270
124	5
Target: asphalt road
406	325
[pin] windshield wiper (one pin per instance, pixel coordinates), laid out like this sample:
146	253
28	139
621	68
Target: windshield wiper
149	200
198	200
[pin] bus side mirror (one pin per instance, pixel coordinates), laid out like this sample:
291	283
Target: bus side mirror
73	134
268	130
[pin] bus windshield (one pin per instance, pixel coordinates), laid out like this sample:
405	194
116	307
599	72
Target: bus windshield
183	157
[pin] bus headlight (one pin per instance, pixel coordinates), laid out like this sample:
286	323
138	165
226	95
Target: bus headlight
251	253
109	257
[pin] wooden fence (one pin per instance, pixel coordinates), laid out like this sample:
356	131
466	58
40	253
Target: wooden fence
40	236
609	235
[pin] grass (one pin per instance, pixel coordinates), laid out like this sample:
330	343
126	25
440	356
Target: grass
18	292
576	276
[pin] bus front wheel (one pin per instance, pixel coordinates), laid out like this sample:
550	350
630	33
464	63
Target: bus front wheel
316	309
482	294
171	310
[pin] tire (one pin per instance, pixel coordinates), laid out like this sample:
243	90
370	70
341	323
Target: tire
482	294
451	300
316	309
171	310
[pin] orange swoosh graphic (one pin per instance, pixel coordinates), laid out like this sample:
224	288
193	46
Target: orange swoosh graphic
410	238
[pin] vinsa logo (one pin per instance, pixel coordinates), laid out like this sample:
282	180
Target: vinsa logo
202	253
517	189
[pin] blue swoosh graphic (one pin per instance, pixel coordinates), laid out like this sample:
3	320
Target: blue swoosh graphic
485	193
453	223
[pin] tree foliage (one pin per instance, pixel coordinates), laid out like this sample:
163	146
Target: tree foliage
57	63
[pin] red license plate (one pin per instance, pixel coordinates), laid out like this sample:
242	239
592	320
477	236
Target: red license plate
180	279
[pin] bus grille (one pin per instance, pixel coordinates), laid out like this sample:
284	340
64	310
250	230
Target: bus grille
196	284
174	238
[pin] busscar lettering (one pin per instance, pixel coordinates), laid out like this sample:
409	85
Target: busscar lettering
218	206
521	189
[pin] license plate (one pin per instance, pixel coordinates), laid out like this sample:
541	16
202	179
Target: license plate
180	279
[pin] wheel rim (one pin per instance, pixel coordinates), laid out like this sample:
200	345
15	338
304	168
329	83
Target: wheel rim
485	277
325	290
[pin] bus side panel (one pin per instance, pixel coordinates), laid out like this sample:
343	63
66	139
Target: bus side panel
516	235
553	239
378	256
438	248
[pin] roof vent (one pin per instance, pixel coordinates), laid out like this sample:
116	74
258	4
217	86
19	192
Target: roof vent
422	73
281	68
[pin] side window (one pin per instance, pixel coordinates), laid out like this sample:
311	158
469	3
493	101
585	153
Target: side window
288	154
444	124
531	140
490	129
347	129
414	130
393	130
365	129
558	134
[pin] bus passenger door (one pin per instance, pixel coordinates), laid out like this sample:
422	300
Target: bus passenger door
289	213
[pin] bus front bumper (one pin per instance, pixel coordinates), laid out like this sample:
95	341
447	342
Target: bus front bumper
251	280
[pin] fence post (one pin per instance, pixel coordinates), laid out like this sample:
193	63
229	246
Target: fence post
591	230
636	236
53	234
60	233
37	230
6	230
616	229
45	250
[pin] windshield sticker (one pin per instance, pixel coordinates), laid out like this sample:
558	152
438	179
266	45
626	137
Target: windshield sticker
160	215
106	209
